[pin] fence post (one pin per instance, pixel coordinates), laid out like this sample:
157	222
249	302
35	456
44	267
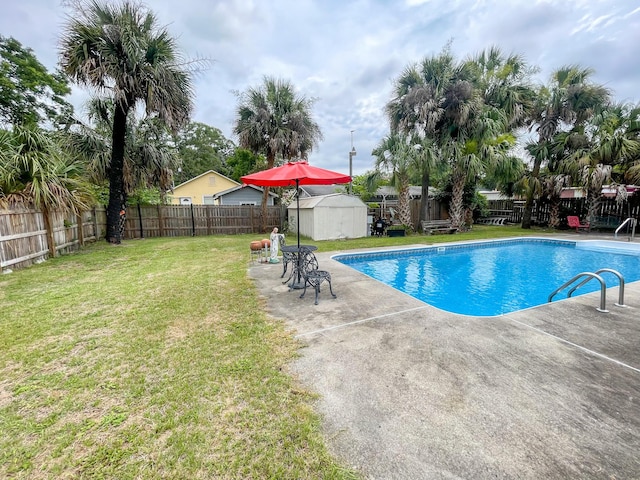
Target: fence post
140	220
193	222
209	227
160	226
96	229
80	227
50	236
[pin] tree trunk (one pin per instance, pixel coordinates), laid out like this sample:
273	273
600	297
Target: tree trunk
117	197
424	200
456	209
404	208
271	160
593	202
554	213
528	205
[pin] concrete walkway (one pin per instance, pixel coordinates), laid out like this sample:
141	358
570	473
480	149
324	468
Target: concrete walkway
408	391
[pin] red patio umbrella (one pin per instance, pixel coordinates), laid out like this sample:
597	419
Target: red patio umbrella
295	173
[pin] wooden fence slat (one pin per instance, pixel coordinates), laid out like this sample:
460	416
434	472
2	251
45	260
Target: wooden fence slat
31	256
5	238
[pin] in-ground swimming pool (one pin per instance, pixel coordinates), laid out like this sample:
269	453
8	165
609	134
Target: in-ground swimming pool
496	277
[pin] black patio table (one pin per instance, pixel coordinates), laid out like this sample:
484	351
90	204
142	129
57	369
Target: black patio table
296	281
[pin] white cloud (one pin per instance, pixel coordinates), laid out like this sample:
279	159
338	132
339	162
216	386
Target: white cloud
347	53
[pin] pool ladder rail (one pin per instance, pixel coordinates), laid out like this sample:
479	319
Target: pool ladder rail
632	223
603	287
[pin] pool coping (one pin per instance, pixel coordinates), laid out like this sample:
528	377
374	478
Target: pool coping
409	391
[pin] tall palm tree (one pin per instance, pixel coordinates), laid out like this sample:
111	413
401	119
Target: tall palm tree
595	151
273	120
481	149
396	156
119	50
466	109
567	102
486	118
416	111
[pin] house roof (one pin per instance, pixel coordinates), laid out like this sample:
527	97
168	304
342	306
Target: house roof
239	187
207	173
494	195
415	191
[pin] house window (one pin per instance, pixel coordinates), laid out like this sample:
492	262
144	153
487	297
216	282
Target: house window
185	200
248	203
208	200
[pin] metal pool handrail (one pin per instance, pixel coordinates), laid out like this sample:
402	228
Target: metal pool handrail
633	222
603	270
603	289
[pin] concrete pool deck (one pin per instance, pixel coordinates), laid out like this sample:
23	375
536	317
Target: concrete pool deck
408	391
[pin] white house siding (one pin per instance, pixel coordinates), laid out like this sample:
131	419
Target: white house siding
330	217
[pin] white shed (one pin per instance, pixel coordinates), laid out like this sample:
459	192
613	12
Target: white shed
330	217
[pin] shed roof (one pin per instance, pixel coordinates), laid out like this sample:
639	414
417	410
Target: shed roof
339	200
318	190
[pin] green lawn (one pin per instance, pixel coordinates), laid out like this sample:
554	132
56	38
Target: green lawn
155	359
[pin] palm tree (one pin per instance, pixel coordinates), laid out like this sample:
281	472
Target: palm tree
38	172
552	186
483	148
594	151
616	136
505	83
274	121
489	106
465	110
7	152
416	111
119	50
629	164
396	156
568	102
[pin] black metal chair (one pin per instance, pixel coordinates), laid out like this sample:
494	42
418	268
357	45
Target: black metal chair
312	276
287	258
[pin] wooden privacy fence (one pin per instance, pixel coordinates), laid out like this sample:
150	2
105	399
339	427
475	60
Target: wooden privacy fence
24	238
437	210
192	220
607	208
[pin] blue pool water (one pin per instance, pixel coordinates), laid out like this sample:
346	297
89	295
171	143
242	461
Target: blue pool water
496	277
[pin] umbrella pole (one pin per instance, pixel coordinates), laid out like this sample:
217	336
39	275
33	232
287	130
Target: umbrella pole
298	209
298	228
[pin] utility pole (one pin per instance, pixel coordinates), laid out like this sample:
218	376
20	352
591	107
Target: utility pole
352	154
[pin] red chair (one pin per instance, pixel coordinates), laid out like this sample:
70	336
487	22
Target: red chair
574	222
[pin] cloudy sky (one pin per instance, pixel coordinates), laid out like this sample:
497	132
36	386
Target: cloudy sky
346	54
